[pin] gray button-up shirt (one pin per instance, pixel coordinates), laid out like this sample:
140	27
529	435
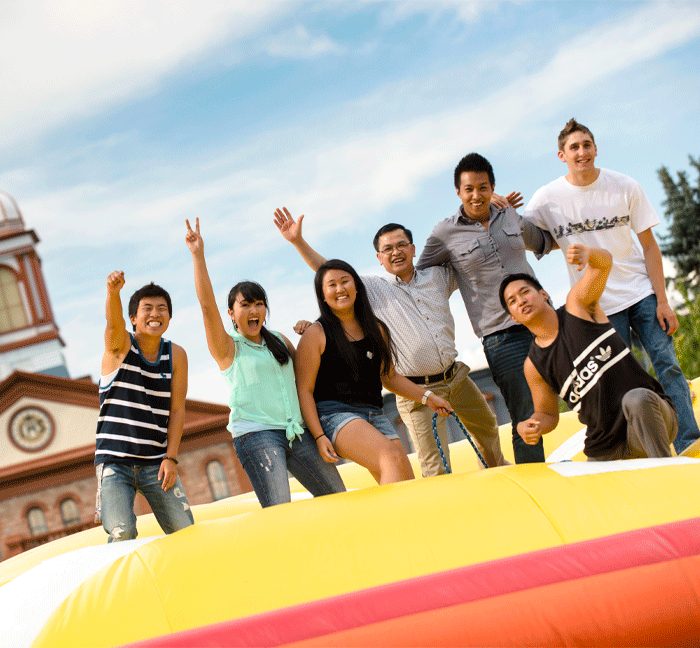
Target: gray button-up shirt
482	257
419	318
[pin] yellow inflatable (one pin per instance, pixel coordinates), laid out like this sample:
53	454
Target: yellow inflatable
563	553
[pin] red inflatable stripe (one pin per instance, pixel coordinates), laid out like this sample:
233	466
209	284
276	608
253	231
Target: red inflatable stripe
458	587
650	605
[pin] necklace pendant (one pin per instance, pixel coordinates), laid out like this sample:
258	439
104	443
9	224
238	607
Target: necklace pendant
370	355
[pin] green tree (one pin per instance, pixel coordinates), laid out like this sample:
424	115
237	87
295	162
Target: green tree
682	246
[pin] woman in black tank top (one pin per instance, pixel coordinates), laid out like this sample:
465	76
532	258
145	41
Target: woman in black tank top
343	360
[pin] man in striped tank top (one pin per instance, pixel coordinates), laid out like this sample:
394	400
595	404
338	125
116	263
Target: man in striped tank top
143	385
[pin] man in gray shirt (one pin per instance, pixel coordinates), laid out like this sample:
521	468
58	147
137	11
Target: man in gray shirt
483	244
414	304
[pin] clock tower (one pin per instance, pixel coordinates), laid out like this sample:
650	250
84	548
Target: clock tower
29	337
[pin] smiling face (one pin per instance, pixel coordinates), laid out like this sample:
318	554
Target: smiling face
248	316
152	316
396	253
579	153
475	191
524	301
339	290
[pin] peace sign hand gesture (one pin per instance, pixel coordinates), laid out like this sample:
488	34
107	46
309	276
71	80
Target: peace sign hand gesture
193	238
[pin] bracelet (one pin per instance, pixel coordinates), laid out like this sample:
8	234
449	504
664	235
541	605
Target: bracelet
424	400
319	437
175	461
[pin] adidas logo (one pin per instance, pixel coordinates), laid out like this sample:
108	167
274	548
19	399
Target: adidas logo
605	354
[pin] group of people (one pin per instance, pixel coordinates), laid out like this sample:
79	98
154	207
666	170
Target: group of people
300	410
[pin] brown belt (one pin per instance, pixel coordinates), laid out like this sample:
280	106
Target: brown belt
425	380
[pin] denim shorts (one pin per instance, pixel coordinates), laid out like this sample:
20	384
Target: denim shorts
334	415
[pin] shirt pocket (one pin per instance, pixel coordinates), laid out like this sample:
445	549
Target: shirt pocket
514	237
469	256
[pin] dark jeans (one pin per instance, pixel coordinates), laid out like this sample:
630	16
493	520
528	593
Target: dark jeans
506	352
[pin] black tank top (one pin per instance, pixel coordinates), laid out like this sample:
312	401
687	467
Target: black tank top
591	368
335	379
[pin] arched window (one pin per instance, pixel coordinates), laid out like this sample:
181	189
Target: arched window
218	484
70	514
12	314
36	521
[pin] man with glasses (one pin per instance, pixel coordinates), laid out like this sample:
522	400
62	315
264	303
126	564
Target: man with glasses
414	304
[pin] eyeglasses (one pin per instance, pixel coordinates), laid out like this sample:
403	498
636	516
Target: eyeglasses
399	247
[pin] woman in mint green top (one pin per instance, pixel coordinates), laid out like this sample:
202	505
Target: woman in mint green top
258	366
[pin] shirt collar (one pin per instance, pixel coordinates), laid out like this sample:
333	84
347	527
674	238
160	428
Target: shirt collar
244	340
461	217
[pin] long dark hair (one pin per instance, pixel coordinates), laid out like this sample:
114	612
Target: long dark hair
370	324
252	291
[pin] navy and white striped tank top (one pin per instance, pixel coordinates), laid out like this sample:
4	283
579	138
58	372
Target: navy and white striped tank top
135	409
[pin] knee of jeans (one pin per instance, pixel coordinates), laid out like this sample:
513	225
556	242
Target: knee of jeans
669	372
122	531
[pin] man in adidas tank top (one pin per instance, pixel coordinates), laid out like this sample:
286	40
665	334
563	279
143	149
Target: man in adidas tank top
143	385
578	355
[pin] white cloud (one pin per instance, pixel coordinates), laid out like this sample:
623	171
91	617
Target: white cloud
298	43
60	59
465	11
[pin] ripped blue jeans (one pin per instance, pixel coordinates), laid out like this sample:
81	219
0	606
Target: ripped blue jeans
119	485
266	457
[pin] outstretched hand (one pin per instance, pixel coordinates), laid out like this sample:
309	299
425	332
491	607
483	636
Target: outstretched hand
577	254
193	238
288	227
115	281
515	199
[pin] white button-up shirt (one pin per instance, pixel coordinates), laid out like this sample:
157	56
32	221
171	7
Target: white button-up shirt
418	316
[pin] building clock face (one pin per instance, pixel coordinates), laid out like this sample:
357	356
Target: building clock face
31	429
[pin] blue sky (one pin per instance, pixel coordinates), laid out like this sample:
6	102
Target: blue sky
121	119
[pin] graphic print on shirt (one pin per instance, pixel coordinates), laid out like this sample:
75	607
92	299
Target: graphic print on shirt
590	225
597	358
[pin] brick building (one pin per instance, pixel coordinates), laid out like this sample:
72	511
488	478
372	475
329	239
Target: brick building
48	420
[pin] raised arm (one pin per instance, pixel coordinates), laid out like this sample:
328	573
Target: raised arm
291	230
546	415
583	298
178	394
116	338
434	253
221	346
652	258
306	364
536	239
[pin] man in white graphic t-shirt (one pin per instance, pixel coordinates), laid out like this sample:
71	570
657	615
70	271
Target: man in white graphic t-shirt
601	208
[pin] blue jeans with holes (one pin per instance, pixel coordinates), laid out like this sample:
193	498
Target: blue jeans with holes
659	347
266	457
506	352
120	482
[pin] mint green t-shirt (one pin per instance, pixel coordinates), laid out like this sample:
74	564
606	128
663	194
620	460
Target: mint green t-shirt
263	393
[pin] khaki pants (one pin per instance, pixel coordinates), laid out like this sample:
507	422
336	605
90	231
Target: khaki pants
652	425
472	409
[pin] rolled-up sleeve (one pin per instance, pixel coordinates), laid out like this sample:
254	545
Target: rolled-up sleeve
536	239
434	253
